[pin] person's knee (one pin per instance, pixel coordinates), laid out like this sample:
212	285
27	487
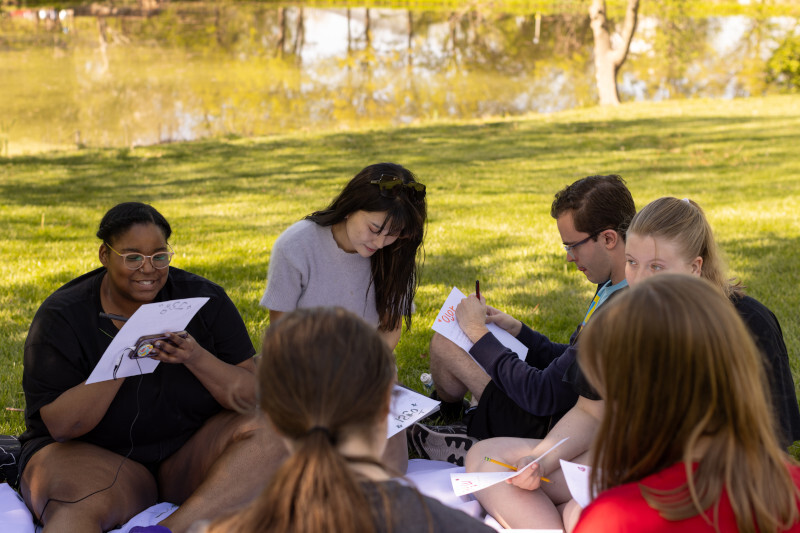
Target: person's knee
58	478
230	427
474	461
249	426
256	433
439	347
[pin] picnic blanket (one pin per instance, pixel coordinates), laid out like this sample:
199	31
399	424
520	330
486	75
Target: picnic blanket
16	518
432	478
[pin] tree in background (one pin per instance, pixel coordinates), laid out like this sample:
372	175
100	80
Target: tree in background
607	58
783	68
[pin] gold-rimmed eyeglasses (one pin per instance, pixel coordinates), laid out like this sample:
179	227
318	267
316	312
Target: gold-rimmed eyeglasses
135	261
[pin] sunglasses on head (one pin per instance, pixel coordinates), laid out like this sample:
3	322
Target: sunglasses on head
391	185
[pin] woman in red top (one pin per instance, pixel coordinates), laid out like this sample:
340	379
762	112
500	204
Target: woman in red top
687	441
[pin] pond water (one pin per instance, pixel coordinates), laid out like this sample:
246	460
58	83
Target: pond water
189	71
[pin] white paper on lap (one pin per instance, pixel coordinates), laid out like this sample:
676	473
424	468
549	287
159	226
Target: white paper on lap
577	477
149	319
470	482
407	406
446	324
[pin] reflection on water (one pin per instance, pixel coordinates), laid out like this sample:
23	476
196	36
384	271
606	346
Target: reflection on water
240	70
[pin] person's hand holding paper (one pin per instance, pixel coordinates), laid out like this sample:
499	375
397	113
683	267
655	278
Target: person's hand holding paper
486	317
528	478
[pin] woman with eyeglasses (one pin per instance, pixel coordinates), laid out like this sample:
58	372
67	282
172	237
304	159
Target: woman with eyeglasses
93	456
359	253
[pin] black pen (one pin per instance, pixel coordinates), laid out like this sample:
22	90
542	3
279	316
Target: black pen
113	317
478	289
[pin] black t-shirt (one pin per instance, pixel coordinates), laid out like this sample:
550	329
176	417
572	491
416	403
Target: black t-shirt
767	334
67	338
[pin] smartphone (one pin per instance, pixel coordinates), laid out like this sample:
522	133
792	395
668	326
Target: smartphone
146	344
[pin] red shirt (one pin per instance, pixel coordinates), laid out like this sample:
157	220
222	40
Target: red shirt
623	509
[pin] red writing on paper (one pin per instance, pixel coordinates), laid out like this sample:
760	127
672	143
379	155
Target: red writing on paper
448	316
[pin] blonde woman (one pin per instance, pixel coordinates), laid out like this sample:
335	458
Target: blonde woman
672	235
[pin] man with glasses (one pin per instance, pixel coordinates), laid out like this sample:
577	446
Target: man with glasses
525	398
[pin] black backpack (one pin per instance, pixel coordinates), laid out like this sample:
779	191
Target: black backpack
9	460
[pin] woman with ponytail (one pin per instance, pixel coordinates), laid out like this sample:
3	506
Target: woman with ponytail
672	235
326	380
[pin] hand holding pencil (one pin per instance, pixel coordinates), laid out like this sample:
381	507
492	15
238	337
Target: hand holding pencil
531	478
514	468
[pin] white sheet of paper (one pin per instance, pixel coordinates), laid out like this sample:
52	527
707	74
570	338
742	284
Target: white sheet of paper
408	406
446	324
470	482
149	319
577	477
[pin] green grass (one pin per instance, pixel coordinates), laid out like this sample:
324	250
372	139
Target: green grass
490	185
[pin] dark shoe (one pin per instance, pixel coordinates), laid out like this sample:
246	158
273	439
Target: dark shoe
449	412
441	443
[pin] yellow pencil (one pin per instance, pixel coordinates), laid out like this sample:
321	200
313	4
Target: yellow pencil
509	467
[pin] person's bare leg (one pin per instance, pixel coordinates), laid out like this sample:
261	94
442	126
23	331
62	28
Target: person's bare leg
511	506
71	472
570	513
221	468
454	371
395	456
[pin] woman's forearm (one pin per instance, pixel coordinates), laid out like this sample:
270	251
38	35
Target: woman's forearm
78	410
233	386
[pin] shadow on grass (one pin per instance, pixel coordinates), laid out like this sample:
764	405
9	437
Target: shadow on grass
273	166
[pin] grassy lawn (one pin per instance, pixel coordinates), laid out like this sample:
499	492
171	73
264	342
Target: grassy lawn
490	185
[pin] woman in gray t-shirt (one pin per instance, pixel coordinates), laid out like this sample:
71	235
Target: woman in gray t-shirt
359	253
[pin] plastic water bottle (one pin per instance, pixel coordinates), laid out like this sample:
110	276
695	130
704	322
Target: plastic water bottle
427	382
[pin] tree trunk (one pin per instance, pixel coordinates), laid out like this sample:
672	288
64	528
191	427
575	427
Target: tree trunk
279	46
367	29
410	45
608	60
300	35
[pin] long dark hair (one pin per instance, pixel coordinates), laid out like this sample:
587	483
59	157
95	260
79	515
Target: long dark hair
395	270
324	373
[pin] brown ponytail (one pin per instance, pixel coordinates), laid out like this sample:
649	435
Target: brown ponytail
324	374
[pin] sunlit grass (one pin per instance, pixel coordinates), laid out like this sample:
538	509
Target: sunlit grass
490	187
